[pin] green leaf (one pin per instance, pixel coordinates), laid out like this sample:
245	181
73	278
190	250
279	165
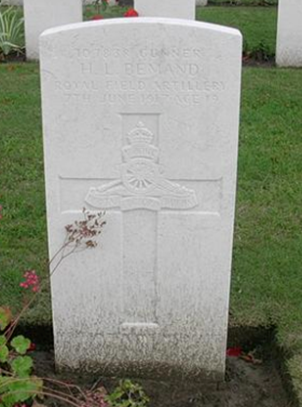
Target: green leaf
104	5
11	31
8	399
21	390
5	317
22	365
4	380
20	344
4	352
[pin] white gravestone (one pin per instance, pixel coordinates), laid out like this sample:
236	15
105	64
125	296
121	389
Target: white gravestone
42	14
289	33
147	130
166	8
85	2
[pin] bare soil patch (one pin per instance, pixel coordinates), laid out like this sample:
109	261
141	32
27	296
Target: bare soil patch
246	384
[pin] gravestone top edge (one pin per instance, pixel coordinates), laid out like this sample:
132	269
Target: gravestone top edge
143	21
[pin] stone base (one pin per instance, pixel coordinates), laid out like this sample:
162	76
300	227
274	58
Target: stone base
150	371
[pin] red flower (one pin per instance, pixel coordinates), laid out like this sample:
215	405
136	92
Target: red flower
131	13
32	347
234	352
31	280
97	17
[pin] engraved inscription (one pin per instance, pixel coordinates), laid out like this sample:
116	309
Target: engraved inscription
152	52
141	76
142	183
131	92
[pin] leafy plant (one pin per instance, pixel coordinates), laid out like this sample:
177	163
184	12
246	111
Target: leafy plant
17	383
128	394
18	386
11	31
100	5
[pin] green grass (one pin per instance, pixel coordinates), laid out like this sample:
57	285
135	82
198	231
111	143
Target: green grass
257	24
22	230
264	3
268	246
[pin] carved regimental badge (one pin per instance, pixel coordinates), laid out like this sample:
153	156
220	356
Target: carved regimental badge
141	184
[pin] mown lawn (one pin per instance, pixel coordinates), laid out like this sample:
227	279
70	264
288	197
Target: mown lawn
263	3
22	230
257	24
